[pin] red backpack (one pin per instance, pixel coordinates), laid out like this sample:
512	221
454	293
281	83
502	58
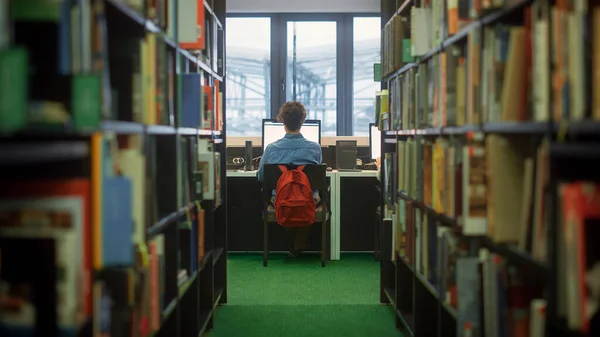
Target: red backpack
294	202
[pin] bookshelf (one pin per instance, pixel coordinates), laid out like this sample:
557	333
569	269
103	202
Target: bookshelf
490	128
113	163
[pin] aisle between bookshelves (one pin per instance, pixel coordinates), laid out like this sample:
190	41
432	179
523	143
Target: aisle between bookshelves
296	298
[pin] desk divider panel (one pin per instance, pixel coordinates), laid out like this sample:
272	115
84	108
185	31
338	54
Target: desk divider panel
358	214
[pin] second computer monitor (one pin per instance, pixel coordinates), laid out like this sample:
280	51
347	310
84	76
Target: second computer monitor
272	130
374	141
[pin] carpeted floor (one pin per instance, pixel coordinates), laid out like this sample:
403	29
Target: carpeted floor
298	298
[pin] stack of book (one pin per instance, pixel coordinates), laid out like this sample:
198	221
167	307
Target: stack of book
112	133
488	131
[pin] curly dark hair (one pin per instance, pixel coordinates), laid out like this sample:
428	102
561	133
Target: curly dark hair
292	114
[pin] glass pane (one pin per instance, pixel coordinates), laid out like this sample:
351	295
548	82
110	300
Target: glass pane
367	40
311	70
248	67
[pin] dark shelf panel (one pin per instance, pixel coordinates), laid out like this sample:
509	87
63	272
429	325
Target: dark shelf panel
408	322
516	256
169	309
170	130
207	257
459	36
163	223
197	132
400	71
186	285
161	130
19	153
405	5
404	263
580	128
390	293
129	12
218	294
188	131
586	151
486	19
524	128
495	16
122	127
424	58
442	218
426	284
119	127
150	26
205	316
194	58
517	128
449	309
217	254
589	127
214	15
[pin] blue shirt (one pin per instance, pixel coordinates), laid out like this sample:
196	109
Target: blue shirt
291	149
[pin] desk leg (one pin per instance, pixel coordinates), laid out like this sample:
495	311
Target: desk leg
335	218
333	201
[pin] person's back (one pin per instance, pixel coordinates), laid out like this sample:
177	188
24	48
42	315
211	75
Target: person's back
293	149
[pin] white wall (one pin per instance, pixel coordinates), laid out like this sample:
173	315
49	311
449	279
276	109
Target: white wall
303	6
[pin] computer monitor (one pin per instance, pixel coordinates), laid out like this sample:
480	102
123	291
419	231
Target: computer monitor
272	130
374	141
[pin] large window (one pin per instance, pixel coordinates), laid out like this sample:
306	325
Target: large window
323	60
311	70
367	41
248	67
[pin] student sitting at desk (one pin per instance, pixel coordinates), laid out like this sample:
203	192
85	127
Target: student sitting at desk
293	149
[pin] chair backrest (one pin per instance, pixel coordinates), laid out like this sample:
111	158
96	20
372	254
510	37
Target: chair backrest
317	175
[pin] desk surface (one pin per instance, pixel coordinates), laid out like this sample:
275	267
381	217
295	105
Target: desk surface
365	173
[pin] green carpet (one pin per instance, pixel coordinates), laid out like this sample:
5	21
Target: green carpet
298	298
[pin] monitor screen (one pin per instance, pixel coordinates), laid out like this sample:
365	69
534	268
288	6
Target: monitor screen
273	130
374	141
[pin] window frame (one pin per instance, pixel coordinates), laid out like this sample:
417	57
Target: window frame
350	68
344	64
272	53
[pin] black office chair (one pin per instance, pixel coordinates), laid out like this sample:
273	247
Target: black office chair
318	181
